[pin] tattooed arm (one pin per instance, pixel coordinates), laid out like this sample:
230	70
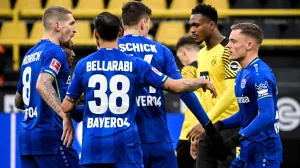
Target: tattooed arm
19	101
189	85
46	90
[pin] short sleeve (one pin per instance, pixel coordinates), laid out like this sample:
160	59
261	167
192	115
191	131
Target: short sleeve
75	90
262	86
53	61
230	67
171	68
150	75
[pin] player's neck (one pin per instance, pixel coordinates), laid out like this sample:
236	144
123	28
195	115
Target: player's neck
133	31
193	57
215	39
108	44
52	38
248	59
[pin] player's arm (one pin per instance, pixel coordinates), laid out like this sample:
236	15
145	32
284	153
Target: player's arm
74	91
228	96
266	116
48	93
19	101
52	64
190	99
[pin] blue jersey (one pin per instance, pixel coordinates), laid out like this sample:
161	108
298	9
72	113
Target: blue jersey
41	128
256	86
110	81
151	116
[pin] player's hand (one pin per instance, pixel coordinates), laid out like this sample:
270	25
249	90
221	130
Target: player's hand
195	132
207	85
194	148
228	145
214	136
68	131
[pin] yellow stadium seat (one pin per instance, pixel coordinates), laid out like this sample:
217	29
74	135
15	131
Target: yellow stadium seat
83	29
116	4
220	4
24	4
155	4
37	31
65	3
170	31
90	5
183	4
5	4
13	30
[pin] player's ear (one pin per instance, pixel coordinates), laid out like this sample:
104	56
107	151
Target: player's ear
142	23
121	32
249	45
56	26
96	35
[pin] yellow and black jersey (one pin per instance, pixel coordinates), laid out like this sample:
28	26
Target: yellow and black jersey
215	65
189	72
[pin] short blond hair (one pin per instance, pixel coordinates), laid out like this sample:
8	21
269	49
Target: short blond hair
250	29
54	13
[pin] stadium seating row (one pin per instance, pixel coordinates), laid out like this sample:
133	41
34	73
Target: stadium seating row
178	8
155	4
12	32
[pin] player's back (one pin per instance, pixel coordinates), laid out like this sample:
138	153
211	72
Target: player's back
151	116
253	83
41	127
111	81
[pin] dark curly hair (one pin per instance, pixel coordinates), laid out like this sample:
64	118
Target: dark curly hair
206	10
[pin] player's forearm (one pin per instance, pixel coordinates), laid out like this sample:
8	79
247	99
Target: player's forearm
68	104
225	100
19	101
192	102
184	85
232	122
263	120
46	90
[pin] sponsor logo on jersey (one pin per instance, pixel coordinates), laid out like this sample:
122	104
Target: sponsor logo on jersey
243	99
234	66
55	65
156	71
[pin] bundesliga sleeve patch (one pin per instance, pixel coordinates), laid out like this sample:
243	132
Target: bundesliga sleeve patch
156	71
55	65
262	89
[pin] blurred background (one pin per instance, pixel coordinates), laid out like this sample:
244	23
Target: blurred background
21	28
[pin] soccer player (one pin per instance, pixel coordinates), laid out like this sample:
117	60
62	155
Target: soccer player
187	50
151	116
214	65
256	92
110	80
47	132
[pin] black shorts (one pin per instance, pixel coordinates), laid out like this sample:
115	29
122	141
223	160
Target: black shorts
205	156
184	159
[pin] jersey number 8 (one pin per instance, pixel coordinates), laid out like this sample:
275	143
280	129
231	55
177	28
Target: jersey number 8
109	101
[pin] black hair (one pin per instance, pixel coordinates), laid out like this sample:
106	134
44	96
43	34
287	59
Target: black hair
186	40
107	25
206	10
133	12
